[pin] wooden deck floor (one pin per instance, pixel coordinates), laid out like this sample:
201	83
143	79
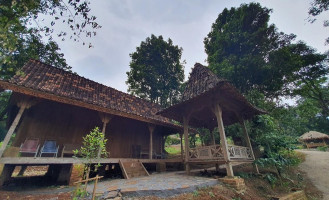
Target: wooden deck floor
51	160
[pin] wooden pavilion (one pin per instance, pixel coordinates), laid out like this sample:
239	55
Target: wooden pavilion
210	102
314	139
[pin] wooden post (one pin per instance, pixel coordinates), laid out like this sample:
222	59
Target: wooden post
105	119
187	147
218	113
151	129
246	136
181	145
22	106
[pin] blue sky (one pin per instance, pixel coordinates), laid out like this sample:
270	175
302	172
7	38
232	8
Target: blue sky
125	23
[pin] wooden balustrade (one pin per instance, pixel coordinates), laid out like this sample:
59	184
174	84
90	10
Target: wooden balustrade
215	152
239	152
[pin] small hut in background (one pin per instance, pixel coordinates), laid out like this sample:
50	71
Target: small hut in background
314	139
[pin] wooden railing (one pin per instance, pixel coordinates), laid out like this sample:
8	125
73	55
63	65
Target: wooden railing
215	152
207	153
239	152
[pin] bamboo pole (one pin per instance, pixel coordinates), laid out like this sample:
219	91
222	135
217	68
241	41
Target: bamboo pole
95	187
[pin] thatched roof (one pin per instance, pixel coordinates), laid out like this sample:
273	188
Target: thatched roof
313	135
204	86
44	81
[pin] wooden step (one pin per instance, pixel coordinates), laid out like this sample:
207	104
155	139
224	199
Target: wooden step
132	169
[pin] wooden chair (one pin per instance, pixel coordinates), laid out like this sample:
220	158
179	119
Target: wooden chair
69	148
49	147
30	146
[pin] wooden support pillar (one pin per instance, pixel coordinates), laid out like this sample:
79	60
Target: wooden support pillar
218	113
151	129
247	139
105	119
181	145
187	147
22	106
6	173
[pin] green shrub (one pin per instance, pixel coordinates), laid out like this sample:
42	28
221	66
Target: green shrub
323	148
172	140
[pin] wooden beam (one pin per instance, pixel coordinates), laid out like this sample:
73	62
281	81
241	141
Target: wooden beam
218	113
24	104
187	147
151	129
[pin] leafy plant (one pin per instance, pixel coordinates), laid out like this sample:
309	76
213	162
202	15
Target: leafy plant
196	193
93	146
323	148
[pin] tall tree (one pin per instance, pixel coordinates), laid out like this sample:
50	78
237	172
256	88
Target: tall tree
156	72
24	32
245	49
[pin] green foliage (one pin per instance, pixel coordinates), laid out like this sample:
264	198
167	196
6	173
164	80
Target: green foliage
172	150
24	32
248	51
172	140
271	179
79	193
156	72
92	143
196	193
323	148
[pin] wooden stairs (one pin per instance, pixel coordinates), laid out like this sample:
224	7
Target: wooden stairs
132	169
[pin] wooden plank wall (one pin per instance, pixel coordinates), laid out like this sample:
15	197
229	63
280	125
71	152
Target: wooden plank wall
68	124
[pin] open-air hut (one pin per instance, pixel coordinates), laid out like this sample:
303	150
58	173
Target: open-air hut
210	102
314	139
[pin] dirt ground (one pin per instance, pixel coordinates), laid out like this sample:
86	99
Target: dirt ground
316	166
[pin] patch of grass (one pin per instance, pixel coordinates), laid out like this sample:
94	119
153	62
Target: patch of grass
172	150
323	148
195	193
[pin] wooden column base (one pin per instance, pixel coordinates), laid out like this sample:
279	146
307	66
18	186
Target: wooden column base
187	168
6	174
229	170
